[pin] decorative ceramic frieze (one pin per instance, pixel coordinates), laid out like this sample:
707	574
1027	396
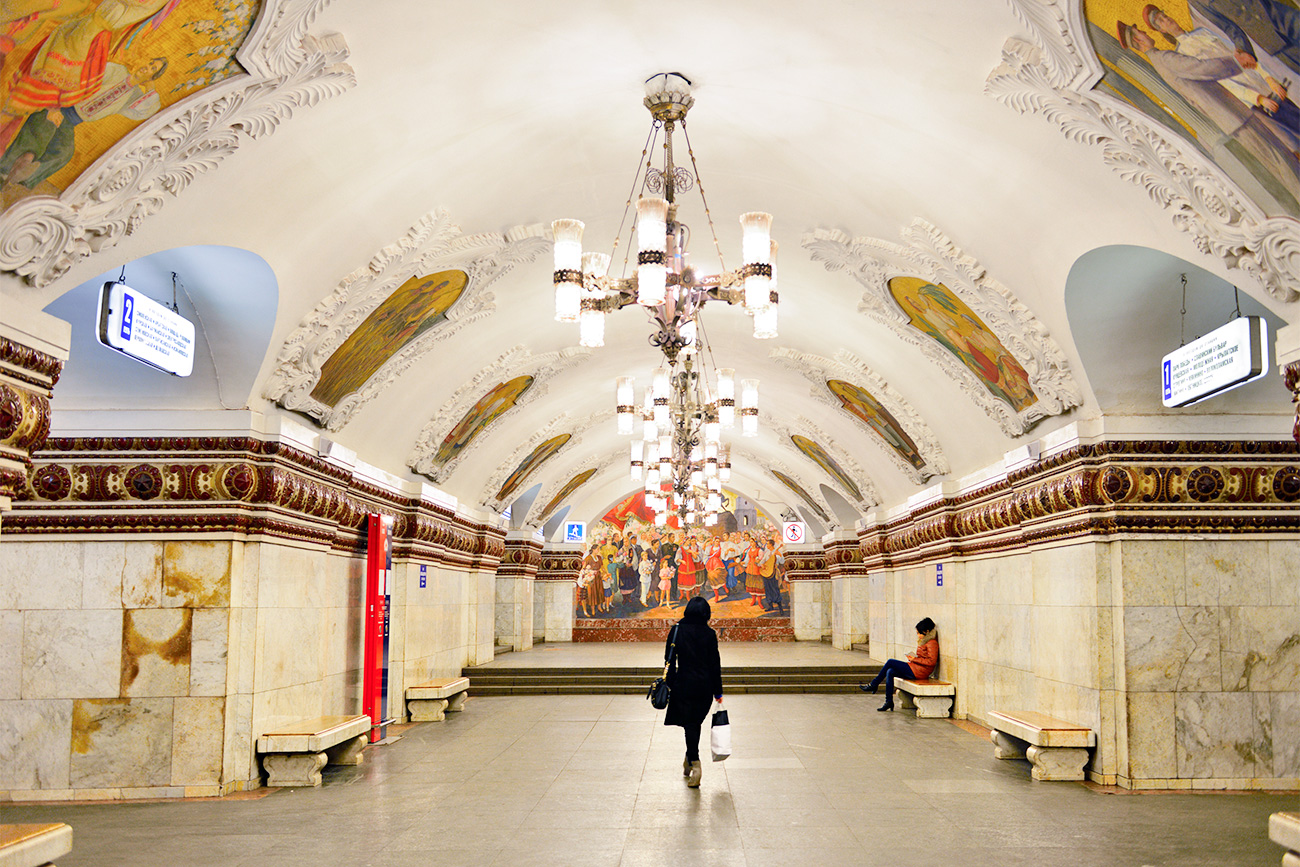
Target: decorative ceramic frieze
1291	376
1171	487
850	476
847	366
27	380
1052	74
520	558
518	360
554	427
929	255
243	486
434	245
805	565
41	237
557	565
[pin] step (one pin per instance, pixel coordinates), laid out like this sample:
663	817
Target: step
632	680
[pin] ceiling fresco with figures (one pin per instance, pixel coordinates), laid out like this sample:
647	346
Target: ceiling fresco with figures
976	252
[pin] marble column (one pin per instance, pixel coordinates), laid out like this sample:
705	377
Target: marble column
557	584
810	591
514	588
849	589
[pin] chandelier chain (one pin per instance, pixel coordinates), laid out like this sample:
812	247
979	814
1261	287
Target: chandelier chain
627	206
699	183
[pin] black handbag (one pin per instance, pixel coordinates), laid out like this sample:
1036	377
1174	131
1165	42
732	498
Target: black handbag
659	691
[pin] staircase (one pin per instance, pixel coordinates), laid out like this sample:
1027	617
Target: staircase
502	680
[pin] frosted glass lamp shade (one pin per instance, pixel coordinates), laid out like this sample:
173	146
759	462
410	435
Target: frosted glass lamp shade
765	320
626	407
727	397
591	328
651	235
749	407
756	252
568	269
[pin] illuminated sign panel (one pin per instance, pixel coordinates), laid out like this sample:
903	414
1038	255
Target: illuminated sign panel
1225	358
136	325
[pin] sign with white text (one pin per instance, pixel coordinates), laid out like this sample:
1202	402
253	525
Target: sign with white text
1225	358
136	325
575	532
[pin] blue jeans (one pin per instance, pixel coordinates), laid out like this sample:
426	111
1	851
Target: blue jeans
891	669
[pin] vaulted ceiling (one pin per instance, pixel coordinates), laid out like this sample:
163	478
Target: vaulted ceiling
866	129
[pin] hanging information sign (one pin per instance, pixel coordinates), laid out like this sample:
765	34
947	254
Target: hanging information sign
136	325
1225	358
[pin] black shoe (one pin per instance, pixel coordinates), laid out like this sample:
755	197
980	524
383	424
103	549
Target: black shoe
869	687
888	705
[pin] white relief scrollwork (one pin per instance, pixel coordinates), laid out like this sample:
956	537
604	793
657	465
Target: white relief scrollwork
515	362
867	496
1053	74
41	237
847	366
931	255
432	244
565	423
815	501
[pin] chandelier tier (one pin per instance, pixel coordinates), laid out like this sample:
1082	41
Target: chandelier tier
679	456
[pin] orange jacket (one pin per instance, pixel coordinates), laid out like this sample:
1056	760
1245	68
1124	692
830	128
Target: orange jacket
925	660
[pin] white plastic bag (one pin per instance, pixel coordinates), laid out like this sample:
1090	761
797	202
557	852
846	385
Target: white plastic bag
720	736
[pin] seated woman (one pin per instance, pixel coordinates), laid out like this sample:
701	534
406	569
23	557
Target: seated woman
919	665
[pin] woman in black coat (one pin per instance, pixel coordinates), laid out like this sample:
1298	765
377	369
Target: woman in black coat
695	679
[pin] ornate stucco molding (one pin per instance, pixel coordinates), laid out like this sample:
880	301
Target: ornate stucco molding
1052	74
41	237
804	426
515	362
849	367
432	244
930	255
1102	490
565	423
601	462
820	507
174	487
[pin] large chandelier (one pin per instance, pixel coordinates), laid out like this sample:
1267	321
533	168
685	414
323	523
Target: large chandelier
680	456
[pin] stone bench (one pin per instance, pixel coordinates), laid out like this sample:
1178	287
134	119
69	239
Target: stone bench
33	845
426	702
293	754
931	699
1057	749
1284	830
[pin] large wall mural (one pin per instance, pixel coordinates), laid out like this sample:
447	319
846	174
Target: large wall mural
77	77
802	493
1216	74
491	406
417	306
934	310
635	570
860	403
565	492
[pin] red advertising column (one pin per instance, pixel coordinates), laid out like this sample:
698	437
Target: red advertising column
379	547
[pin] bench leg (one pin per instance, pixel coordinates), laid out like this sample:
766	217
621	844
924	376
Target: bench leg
348	752
426	709
457	702
905	700
293	769
933	706
1057	763
1005	746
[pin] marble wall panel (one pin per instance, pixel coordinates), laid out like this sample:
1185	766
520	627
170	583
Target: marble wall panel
198	730
209	643
288	577
1005	636
1223	735
1064	644
809	616
142	575
1171	649
244	593
1284	714
1283	569
1260	648
238	760
71	654
1154	572
121	742
155	651
196	574
40	575
1239	565
273	707
11	655
288	648
1150	729
1065	576
101	574
34	737
244	626
1009	581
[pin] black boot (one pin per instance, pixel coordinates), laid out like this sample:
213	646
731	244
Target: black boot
869	687
888	705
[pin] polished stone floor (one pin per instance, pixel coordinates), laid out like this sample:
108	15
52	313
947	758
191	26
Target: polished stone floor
596	780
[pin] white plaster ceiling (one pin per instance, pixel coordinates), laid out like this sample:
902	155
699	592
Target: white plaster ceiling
857	117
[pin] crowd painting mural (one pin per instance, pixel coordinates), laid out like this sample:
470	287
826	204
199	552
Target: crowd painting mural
934	310
76	77
411	311
635	570
1216	73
